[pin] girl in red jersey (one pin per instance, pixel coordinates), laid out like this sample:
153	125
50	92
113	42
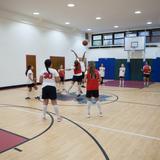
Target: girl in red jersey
146	73
92	78
77	76
61	72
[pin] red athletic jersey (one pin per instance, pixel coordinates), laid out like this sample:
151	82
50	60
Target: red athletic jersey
78	70
92	83
61	72
146	69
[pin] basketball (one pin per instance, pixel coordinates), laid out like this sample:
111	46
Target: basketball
84	42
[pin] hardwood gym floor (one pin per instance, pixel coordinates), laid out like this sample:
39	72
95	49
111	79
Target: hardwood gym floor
129	129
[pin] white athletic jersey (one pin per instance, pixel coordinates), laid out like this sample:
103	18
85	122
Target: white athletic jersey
102	71
29	74
49	79
122	71
82	66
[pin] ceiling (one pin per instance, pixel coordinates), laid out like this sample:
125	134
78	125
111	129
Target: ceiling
83	15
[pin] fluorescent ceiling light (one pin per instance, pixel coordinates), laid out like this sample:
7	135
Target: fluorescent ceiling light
89	29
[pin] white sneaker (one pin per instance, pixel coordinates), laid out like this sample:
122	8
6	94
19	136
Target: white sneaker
88	115
59	119
44	117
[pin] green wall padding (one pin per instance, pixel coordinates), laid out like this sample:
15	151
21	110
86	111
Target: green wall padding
136	66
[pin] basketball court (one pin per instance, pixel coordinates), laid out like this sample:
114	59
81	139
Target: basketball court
129	128
121	37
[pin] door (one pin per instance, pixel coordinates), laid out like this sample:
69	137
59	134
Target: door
31	60
57	61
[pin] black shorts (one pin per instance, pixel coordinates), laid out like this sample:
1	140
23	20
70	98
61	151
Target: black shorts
146	75
49	92
62	79
121	77
77	78
31	85
83	75
93	93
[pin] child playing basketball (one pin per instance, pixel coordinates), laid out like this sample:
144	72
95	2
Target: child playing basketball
102	72
92	79
30	81
48	78
146	73
77	77
82	63
122	70
61	72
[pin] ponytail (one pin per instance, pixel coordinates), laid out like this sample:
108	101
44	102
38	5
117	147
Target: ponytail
28	68
48	64
92	69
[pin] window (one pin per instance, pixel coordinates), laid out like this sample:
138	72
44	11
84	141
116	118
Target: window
109	36
107	42
119	35
155	39
156	33
155	36
108	39
146	34
97	40
119	39
143	33
98	37
97	43
131	34
119	42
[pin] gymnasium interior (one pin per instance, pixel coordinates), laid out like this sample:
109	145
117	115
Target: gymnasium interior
107	32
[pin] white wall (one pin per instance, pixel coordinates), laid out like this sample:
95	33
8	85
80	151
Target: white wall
18	39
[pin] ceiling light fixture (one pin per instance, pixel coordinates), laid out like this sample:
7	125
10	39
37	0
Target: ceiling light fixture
98	18
36	13
149	23
71	5
116	26
89	29
137	12
67	23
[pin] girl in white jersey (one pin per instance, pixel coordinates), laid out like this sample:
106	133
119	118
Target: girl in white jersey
30	81
48	78
122	70
102	72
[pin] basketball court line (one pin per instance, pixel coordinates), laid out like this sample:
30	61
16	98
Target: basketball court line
119	131
36	136
69	120
144	104
129	90
25	111
14	140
